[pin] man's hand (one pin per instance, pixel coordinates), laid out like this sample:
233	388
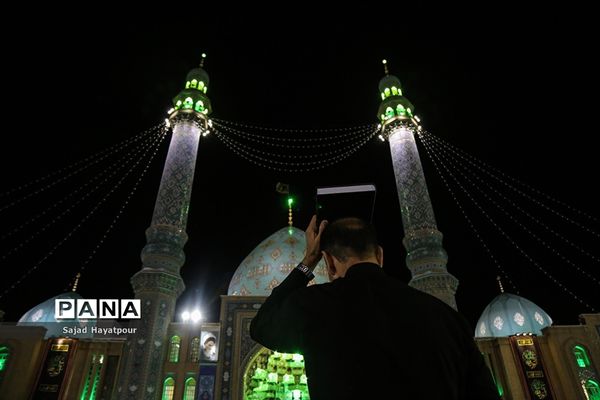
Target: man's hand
313	243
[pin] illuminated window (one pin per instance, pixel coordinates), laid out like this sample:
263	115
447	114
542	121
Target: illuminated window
92	381
168	389
188	102
591	389
187	85
195	349
400	109
199	106
382	96
387	92
190	389
394	90
389	112
581	357
200	85
194	83
3	357
205	89
174	349
178	104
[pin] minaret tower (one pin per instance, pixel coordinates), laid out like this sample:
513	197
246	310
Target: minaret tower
426	257
158	284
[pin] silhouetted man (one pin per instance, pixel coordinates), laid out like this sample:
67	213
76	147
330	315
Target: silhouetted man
419	347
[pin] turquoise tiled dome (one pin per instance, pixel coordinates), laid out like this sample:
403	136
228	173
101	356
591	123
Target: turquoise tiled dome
509	314
270	262
43	315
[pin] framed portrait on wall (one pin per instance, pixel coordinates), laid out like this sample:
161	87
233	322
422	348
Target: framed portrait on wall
209	345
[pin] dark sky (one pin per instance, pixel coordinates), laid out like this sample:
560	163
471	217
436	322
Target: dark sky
520	97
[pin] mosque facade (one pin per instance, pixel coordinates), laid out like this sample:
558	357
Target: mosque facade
154	357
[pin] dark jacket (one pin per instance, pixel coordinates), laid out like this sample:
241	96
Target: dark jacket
371	336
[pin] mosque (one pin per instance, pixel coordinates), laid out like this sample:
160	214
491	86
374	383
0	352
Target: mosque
154	357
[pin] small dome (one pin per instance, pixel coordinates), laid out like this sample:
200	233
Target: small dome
43	315
270	262
388	82
198	74
509	314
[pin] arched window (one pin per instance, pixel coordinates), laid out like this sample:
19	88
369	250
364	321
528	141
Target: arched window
168	389
195	349
400	110
187	85
189	391
194	83
199	106
591	389
200	85
394	90
581	357
3	357
389	112
387	92
174	349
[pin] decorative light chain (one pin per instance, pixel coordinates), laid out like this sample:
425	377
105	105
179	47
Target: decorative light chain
111	150
261	162
515	245
512	218
125	203
499	267
442	149
482	166
75	229
261	139
54	183
291	156
147	142
291	131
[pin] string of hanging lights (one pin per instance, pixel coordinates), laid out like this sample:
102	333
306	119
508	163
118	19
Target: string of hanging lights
448	164
97	157
499	175
497	264
110	172
305	166
65	238
348	130
435	159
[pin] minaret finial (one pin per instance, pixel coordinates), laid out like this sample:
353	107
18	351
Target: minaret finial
500	284
74	288
385	67
290	202
202	60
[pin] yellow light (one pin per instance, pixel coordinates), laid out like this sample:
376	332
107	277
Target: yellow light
384	61
170	110
167	122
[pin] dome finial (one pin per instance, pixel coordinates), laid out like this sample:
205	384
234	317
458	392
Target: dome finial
74	288
385	67
500	284
290	201
202	60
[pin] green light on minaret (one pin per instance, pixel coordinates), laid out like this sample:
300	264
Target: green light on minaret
290	201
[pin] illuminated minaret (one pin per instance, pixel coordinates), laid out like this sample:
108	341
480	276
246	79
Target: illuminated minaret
158	284
426	258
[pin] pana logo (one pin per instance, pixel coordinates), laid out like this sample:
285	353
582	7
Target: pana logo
97	308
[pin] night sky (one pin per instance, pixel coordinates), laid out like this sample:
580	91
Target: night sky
522	100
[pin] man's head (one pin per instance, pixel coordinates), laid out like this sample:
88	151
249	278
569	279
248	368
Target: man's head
209	343
348	241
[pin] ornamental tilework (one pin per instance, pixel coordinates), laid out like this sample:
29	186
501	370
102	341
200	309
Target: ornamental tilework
270	262
173	200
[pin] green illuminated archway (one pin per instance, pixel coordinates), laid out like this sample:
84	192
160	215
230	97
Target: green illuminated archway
277	375
168	389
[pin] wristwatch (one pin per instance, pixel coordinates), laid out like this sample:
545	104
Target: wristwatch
305	269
